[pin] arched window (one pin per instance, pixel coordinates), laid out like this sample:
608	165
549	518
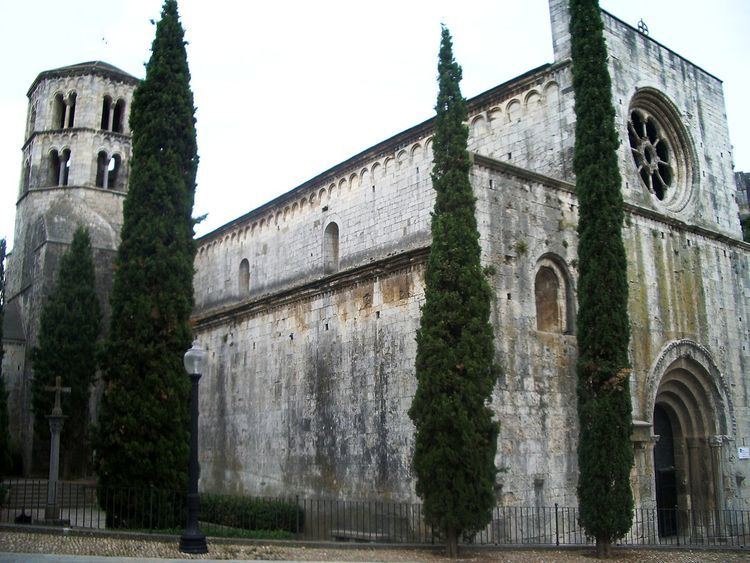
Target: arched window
553	296
546	294
118	115
244	278
113	172
26	175
71	109
65	167
53	168
58	112
106	109
102	165
331	248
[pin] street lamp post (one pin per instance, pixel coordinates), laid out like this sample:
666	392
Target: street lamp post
192	539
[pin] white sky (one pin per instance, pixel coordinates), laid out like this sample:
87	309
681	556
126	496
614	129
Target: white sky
286	89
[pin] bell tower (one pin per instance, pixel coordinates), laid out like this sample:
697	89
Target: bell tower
74	171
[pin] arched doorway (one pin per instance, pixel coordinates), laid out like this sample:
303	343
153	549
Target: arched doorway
688	418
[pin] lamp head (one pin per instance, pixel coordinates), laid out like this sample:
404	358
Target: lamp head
195	359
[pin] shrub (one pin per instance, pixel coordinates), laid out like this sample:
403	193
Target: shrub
251	513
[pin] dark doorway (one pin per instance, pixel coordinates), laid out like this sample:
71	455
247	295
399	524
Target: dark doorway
666	476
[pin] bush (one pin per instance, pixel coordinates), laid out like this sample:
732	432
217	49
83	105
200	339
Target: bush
251	513
142	509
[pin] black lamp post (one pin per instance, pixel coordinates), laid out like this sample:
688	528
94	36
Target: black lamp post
192	539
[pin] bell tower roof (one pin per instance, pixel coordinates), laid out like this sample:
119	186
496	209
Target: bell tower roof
99	68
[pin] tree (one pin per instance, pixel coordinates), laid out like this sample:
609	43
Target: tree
142	434
5	443
67	346
456	437
605	453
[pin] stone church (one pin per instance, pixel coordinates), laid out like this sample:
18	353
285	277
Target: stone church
308	305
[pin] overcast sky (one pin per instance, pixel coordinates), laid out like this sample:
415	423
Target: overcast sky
286	89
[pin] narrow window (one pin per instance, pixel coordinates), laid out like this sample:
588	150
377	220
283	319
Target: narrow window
26	175
244	278
331	249
65	167
71	109
32	119
113	172
118	114
546	292
58	112
106	108
102	165
53	168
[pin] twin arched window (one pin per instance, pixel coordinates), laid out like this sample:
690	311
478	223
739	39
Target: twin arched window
64	111
553	296
108	171
113	115
58	168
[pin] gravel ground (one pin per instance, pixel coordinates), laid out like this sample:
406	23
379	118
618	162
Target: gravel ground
24	542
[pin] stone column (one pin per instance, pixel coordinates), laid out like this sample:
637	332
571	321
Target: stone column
52	508
642	482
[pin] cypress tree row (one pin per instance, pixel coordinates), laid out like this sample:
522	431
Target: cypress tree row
5	455
142	436
456	437
67	346
605	453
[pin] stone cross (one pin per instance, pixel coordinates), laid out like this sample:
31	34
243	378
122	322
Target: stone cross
56	420
58	388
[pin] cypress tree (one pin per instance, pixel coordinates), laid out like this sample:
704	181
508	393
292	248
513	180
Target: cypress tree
142	435
5	455
456	437
67	346
605	453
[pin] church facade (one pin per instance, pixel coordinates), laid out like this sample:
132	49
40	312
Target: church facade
308	306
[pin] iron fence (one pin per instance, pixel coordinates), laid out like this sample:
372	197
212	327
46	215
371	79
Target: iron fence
86	506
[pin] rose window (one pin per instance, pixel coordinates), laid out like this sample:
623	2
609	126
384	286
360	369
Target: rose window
652	152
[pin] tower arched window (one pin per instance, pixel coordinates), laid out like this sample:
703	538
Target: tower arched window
102	169
244	280
26	175
65	167
553	297
71	106
113	172
58	112
118	115
106	111
331	248
53	168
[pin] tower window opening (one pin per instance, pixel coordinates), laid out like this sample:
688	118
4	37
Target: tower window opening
118	113
26	175
102	170
71	106
58	112
331	248
53	169
106	110
113	171
65	168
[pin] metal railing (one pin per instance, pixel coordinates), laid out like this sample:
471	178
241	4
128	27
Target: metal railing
86	506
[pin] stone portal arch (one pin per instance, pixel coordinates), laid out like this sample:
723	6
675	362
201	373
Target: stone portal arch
691	415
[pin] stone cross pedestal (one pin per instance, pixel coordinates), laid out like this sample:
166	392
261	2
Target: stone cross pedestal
56	420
